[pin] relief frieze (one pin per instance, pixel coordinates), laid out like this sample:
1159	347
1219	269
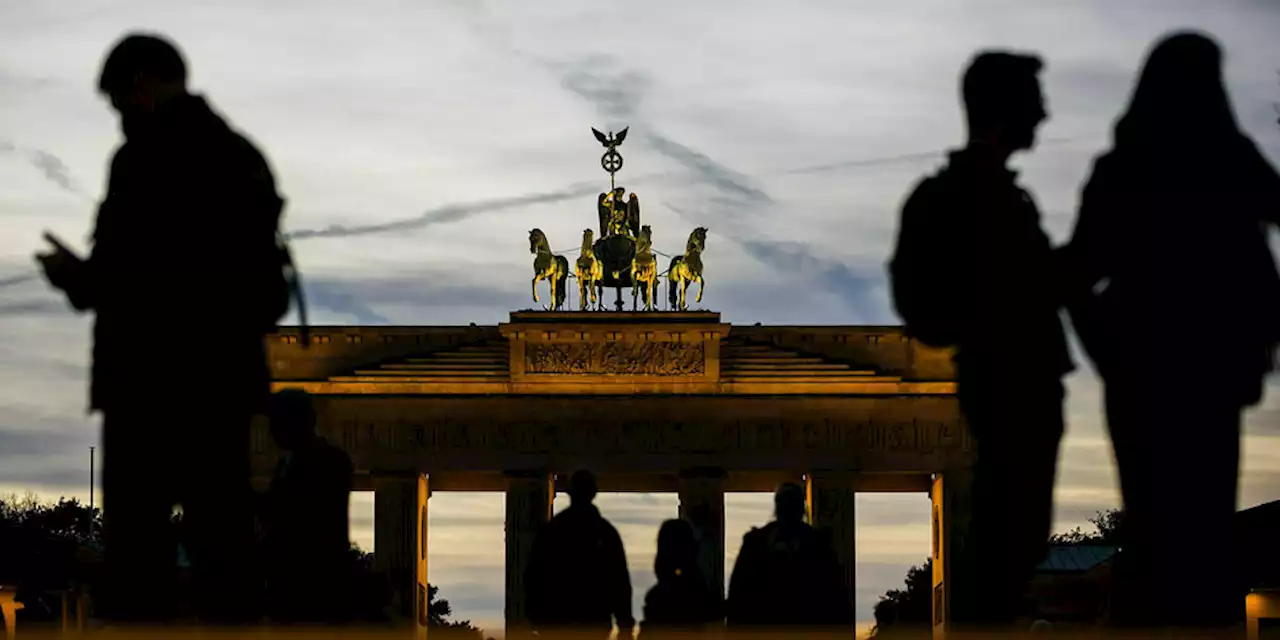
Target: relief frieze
616	358
644	436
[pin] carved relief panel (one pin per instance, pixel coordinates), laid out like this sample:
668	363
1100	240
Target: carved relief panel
615	358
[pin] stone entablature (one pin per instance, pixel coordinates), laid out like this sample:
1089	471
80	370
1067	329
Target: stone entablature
605	353
917	434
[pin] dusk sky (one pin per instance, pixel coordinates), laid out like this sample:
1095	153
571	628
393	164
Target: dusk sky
418	142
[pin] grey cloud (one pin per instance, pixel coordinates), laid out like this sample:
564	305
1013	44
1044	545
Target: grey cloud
855	287
357	296
28	441
50	166
1067	516
332	297
32	308
56	171
708	170
38	450
1258	487
10	281
615	93
448	213
46	479
1264	420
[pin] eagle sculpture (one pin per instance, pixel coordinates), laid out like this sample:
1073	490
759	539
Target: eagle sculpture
610	141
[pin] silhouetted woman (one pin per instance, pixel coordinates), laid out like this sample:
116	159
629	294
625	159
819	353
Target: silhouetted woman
681	603
1180	313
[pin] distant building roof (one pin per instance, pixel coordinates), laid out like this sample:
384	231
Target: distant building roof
1265	516
1258	529
1075	558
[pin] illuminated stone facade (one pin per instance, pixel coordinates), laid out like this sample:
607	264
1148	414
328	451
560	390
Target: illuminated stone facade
650	402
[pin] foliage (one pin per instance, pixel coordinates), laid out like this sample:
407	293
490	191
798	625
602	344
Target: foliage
439	611
912	607
1107	525
909	608
46	547
50	546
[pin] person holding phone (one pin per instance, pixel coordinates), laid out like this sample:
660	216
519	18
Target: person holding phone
183	279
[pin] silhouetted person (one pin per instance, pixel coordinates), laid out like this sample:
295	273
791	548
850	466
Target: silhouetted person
311	568
974	270
185	272
787	576
1172	237
577	580
680	603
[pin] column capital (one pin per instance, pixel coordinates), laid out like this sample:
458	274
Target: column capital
377	475
703	473
526	474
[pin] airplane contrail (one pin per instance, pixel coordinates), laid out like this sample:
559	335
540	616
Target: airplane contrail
49	165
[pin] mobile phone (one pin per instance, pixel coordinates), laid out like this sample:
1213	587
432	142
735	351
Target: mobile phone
57	243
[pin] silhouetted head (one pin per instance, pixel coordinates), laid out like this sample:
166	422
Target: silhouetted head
142	72
1002	99
789	504
582	487
1180	96
677	549
292	416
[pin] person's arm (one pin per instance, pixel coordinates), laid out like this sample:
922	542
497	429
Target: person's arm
621	585
741	582
1269	198
534	580
1087	259
251	193
80	279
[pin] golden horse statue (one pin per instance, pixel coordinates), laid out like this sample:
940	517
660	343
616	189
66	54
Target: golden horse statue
548	266
590	271
644	271
687	269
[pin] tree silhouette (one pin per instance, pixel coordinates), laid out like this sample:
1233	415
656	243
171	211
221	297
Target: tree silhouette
909	608
912	608
51	546
1108	526
46	548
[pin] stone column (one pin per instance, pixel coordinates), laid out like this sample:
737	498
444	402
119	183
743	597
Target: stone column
950	495
530	496
400	544
702	504
831	507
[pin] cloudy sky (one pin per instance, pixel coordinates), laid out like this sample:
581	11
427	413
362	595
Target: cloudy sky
417	142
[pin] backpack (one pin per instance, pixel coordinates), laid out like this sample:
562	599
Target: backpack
921	272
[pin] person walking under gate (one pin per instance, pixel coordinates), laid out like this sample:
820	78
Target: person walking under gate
577	582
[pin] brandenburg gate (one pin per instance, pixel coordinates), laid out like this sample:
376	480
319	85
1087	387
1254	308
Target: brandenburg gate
656	401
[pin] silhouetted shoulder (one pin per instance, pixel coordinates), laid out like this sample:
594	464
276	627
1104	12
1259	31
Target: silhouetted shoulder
927	191
610	532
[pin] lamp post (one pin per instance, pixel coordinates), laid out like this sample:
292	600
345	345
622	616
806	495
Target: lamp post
91	488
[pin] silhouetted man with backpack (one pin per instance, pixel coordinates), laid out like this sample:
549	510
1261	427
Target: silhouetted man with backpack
787	578
186	275
577	583
974	270
307	519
